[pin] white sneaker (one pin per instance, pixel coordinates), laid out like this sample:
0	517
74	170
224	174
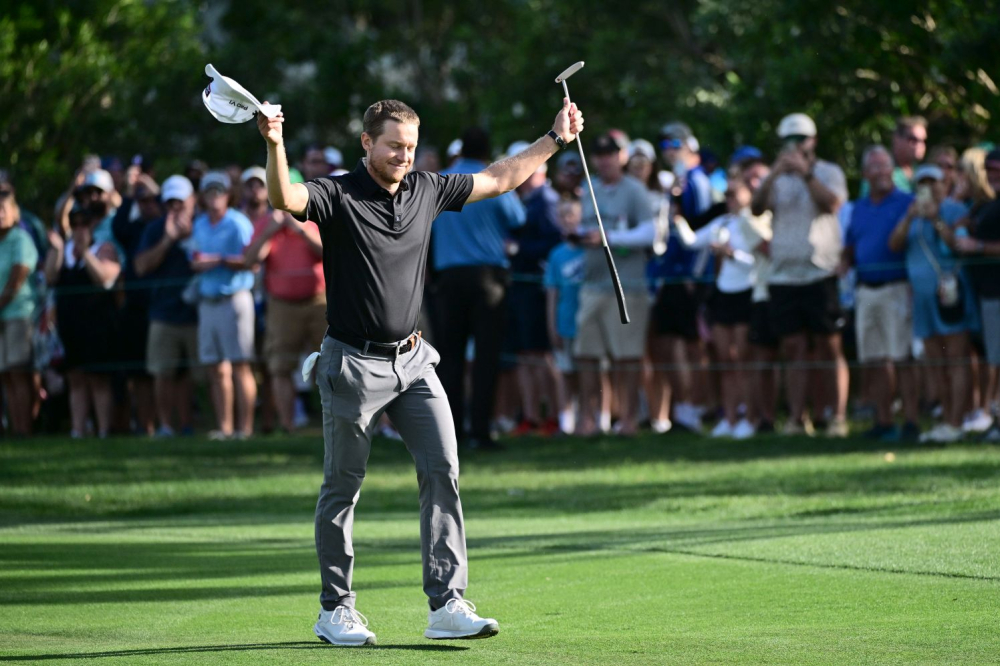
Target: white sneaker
660	426
942	433
686	415
458	619
722	429
977	421
343	626
744	430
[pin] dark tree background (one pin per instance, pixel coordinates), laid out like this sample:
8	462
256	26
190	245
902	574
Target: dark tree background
124	76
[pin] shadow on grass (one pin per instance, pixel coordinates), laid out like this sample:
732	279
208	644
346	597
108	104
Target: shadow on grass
121	572
236	647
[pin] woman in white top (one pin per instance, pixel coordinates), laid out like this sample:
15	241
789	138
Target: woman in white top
732	237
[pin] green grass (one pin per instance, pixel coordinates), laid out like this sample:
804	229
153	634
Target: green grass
652	551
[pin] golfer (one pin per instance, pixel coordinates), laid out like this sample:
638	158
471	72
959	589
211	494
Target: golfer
375	224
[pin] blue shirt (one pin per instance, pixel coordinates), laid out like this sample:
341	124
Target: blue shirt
540	233
868	233
475	237
679	262
923	277
167	282
227	238
564	273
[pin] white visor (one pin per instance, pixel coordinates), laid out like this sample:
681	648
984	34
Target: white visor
230	102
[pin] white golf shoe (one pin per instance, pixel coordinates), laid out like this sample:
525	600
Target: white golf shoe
458	619
343	626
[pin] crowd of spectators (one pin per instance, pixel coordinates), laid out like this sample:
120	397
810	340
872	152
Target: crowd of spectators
739	278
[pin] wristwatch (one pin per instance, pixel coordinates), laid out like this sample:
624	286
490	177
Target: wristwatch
560	142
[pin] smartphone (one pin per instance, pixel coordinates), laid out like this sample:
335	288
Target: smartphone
924	194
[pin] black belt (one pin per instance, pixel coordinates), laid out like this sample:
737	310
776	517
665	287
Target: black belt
879	285
385	349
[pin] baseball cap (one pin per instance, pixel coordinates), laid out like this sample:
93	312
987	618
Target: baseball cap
746	154
925	171
455	148
98	178
257	172
675	134
230	102
796	124
333	156
219	179
642	147
177	187
608	143
570	162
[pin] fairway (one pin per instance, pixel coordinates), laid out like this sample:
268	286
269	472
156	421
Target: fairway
659	550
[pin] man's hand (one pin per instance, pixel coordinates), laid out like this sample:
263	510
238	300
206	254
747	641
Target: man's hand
569	121
792	161
967	245
270	128
591	238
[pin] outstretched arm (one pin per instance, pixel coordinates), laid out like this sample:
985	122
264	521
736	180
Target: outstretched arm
283	194
505	175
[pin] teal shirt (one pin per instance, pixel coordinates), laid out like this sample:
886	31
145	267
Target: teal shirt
899	179
17	249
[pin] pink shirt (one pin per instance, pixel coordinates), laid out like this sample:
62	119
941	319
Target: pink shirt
292	271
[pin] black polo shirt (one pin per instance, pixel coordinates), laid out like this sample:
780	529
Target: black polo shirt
375	247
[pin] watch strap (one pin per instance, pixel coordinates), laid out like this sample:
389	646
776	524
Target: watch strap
560	142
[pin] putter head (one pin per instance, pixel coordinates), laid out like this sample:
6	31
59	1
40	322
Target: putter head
569	71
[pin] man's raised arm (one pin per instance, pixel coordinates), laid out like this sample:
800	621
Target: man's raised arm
283	194
505	175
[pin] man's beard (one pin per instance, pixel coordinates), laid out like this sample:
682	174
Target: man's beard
387	173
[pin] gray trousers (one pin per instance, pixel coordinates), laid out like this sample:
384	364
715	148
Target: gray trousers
356	390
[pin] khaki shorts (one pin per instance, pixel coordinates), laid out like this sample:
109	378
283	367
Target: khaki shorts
884	322
15	344
171	348
293	328
599	329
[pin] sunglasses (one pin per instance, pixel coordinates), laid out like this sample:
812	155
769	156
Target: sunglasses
913	139
4	193
671	144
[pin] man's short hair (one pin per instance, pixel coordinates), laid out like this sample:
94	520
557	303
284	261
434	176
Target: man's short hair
872	150
387	109
909	122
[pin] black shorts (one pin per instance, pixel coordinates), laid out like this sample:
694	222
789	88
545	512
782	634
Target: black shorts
675	311
761	331
526	325
807	308
730	309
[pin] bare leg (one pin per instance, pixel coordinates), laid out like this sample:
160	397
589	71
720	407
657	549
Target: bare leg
956	352
909	390
627	375
589	372
165	400
795	350
660	389
104	402
220	377
246	395
183	390
528	385
284	399
79	401
880	382
142	394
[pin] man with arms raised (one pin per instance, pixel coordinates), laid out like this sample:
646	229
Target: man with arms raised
375	224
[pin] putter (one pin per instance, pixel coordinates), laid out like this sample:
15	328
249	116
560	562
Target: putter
619	294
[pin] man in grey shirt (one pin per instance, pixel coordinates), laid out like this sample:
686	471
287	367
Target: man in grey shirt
804	194
628	220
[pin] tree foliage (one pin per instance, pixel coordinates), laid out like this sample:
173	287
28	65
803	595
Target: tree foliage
123	76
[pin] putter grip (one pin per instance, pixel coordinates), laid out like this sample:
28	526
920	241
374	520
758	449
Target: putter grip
619	294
